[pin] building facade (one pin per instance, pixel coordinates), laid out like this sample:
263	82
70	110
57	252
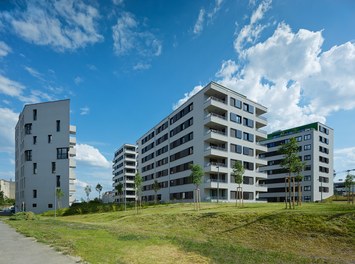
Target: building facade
315	142
44	158
8	188
214	128
124	171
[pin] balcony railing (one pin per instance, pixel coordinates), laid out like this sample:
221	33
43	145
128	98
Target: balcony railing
209	180
215	115
216	99
262	117
216	131
216	148
216	164
262	131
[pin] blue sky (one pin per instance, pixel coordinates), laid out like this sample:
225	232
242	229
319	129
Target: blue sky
126	64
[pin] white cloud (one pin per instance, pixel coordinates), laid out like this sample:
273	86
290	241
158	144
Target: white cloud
81	184
15	89
63	25
141	66
4	49
118	2
344	159
187	96
251	32
91	156
91	67
8	122
84	110
78	80
34	73
127	38
199	23
216	8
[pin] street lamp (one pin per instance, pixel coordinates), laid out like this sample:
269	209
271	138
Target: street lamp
218	183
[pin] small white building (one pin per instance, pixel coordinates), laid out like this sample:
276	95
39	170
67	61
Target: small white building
108	197
8	188
45	150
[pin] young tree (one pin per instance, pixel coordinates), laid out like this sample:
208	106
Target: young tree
119	189
87	191
196	175
299	178
138	186
156	188
99	189
290	162
238	172
59	194
349	182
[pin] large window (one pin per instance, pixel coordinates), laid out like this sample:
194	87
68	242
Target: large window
62	153
58	125
236	103
34	193
235	118
236	133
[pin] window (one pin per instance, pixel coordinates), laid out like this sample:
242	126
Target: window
28	155
248	122
62	153
307	157
34	168
307	188
236	148
34	140
323	150
34	193
307	168
248	108
235	118
34	114
248	137
307	178
49	138
307	137
324	140
53	167
299	139
58	125
34	205
248	151
307	147
236	133
248	165
58	181
236	103
28	129
50	205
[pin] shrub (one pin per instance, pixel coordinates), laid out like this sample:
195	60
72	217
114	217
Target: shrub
24	216
91	207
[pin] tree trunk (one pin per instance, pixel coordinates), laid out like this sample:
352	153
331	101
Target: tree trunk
286	192
293	192
289	191
299	202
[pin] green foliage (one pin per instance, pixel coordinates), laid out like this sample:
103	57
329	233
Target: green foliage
87	190
138	182
196	174
2	197
90	207
238	172
291	161
98	188
24	216
349	181
119	188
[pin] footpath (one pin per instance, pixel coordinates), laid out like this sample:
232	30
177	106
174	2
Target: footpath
18	249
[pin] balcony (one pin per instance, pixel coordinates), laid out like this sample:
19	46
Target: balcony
214	118
213	167
213	135
72	141
72	152
72	129
215	102
260	188
72	163
215	151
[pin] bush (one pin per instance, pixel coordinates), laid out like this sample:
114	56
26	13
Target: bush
91	207
24	216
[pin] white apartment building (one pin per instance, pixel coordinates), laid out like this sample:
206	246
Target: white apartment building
214	128
8	187
45	154
124	171
315	142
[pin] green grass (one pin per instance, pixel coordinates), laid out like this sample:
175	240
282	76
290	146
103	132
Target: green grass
175	233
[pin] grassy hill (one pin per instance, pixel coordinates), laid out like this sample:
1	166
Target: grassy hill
175	233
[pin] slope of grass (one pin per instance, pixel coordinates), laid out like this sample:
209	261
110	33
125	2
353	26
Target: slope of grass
257	233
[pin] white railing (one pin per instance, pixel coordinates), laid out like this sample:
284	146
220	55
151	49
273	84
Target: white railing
216	115
216	148
216	131
216	164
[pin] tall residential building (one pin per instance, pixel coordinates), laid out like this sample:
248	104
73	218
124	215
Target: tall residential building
8	188
44	155
124	171
214	128
315	142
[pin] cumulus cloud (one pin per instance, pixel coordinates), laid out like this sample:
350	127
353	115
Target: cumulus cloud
4	49
118	2
91	156
63	24
251	32
199	23
84	110
8	122
187	96
128	37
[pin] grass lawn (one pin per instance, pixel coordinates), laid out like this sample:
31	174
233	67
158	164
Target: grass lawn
218	233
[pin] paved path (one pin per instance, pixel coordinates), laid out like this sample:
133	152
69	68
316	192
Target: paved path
17	249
